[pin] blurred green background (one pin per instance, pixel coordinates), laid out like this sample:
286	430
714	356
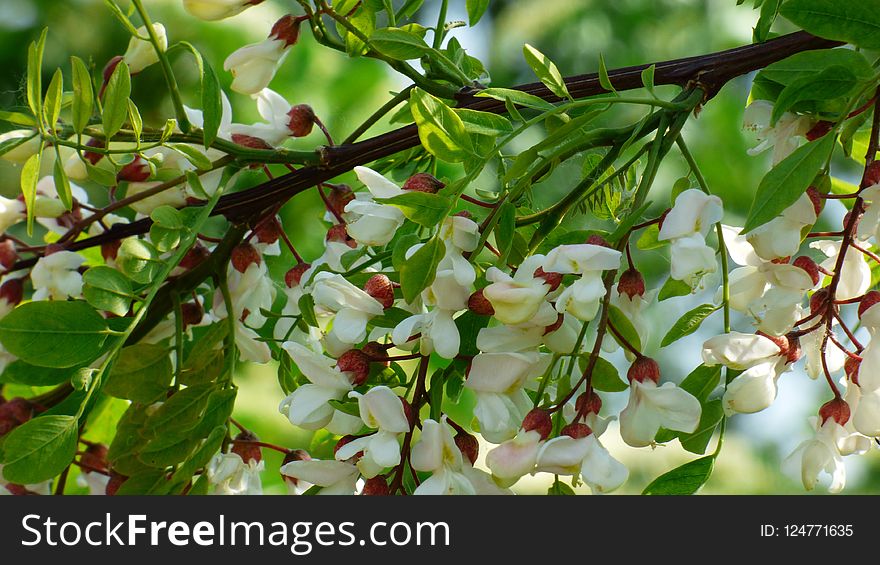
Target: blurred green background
344	91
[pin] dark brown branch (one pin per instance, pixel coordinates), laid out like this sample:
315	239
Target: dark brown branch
711	72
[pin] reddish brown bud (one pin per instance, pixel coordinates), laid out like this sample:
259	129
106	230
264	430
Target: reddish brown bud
464	214
301	120
8	254
95	457
192	312
357	363
553	279
197	254
851	367
293	277
294	455
588	403
408	411
137	171
560	318
269	231
468	445
598	240
819	301
631	283
644	369
816	198
794	351
116	481
91	156
110	250
377	486
110	67
243	447
286	29
251	142
869	299
12	291
479	304
819	130
377	353
576	431
872	174
340	234
380	287
809	266
836	409
423	182
339	197
243	255
14	413
538	420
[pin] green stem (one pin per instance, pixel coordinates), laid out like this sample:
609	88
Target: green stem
440	30
377	115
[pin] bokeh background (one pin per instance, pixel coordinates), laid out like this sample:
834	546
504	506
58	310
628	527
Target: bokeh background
344	91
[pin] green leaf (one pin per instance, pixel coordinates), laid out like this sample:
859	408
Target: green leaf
441	131
116	100
142	373
604	79
672	288
167	229
475	10
787	181
710	417
34	75
181	412
142	483
212	104
54	95
201	457
62	184
19	372
650	239
39	449
307	310
423	208
853	22
605	377
484	123
83	95
139	260
810	63
769	11
18	119
831	83
166	450
504	230
517	97
100	175
702	381
469	326
54	333
558	488
136	121
107	289
193	155
219	409
30	175
686	479
648	78
398	44
622	324
688	323
419	271
546	71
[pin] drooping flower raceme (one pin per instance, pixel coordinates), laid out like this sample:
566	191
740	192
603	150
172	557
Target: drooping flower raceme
685	227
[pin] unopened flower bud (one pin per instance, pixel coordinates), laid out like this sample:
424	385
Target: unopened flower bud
192	312
293	277
287	29
794	350
110	250
380	287
872	174
468	445
479	304
339	197
819	301
109	68
357	364
576	430
244	447
851	367
116	481
243	255
301	120
538	420
197	254
340	234
12	291
553	279
644	369
560	318
251	142
137	171
8	254
598	240
91	156
631	283
869	299
377	353
588	403
294	455
95	457
423	182
808	265
836	409
464	214
345	440
377	486
269	231
819	130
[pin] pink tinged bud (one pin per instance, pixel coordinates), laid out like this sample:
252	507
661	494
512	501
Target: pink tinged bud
95	457
12	291
8	254
376	352
631	283
553	279
479	304
116	481
377	486
247	451
423	182
816	198
301	120
468	445
555	325
808	265
872	174
110	250
588	403
538	420
644	369
243	255
869	299
293	277
836	409
819	301
380	288
819	130
193	258
136	171
251	142
339	234
269	231
598	240
192	312
287	30
851	367
576	431
357	364
110	67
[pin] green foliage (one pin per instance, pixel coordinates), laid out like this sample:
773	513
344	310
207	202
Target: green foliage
686	479
419	270
441	130
688	323
105	288
851	22
116	100
39	449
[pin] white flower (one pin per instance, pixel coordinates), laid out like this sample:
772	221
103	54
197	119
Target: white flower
584	456
274	109
437	453
382	410
517	299
12	211
56	276
353	307
782	137
581	299
307	406
439	334
822	455
229	475
691	259
515	457
213	10
334	477
253	66
251	292
141	53
368	222
694	212
197	118
23	151
651	407
855	275
781	236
